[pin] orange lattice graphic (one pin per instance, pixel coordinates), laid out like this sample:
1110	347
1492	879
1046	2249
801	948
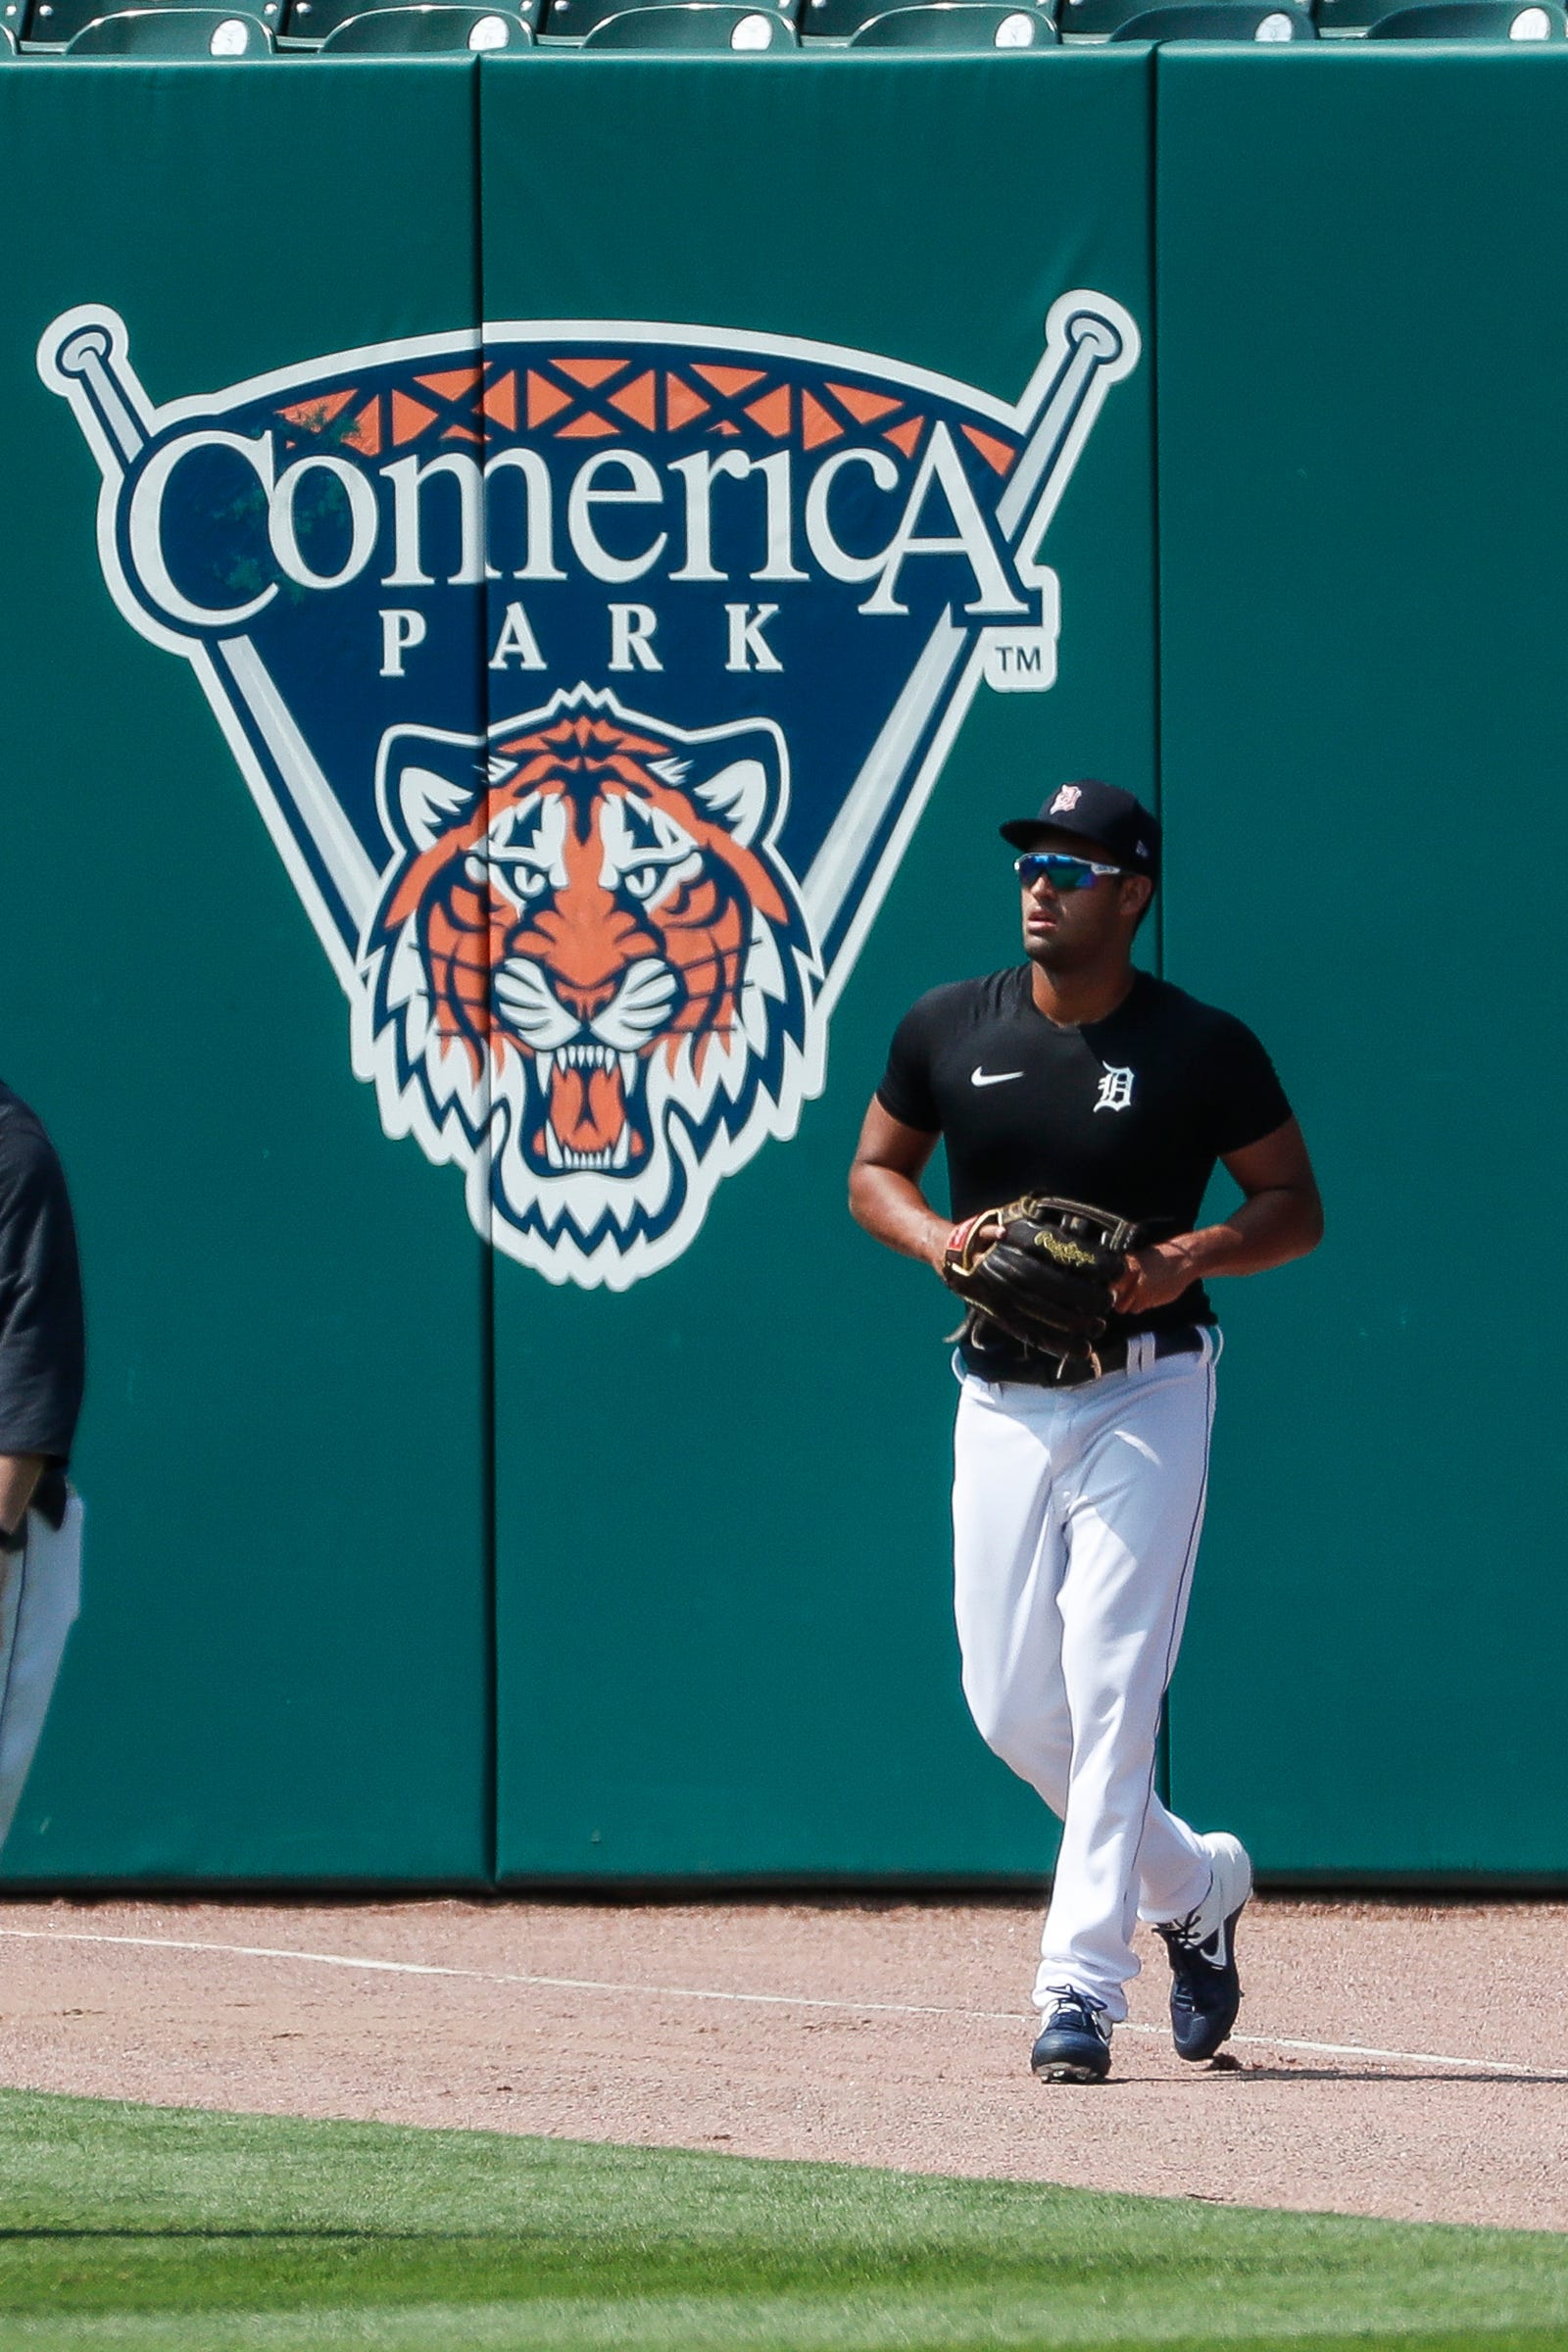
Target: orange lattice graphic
606	396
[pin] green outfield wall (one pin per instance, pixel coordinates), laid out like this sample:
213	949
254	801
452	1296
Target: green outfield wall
504	1462
1363	514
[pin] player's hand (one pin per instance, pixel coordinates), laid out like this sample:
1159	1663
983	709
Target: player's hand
1153	1278
941	1235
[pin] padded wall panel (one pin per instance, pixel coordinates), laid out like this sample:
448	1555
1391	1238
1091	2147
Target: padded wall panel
282	1669
1363	516
724	1636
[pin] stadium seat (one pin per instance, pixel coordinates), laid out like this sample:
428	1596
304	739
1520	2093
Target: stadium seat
971	26
134	33
696	25
8	42
53	24
427	29
574	20
1218	21
842	19
309	24
1095	16
1473	21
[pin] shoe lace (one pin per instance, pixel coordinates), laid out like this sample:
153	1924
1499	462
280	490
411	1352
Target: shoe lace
1184	1933
1069	1996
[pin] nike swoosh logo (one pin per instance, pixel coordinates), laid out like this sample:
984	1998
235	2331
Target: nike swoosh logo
980	1077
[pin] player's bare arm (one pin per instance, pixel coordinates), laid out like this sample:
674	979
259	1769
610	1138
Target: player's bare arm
884	1195
19	1474
1279	1218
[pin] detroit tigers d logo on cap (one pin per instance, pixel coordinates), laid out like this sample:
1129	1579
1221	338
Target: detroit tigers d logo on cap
590	678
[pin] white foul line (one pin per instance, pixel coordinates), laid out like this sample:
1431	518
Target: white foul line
774	2000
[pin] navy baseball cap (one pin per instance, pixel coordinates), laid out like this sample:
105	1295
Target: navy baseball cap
1105	815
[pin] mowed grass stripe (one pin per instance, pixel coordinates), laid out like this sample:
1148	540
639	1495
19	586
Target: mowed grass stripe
174	2231
741	2327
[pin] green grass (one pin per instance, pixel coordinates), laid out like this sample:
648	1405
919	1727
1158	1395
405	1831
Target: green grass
163	2230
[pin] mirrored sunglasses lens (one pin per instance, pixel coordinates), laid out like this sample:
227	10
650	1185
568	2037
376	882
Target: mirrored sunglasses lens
1063	873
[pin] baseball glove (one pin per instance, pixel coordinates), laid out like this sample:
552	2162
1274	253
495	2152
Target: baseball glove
1043	1270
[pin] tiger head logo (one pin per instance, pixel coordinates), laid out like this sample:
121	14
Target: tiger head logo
590	972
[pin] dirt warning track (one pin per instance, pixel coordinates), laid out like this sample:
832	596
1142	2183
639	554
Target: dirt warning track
1404	2060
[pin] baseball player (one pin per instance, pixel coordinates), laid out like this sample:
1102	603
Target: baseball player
1081	1450
41	1372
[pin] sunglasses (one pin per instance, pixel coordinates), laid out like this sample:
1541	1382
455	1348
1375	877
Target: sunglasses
1063	873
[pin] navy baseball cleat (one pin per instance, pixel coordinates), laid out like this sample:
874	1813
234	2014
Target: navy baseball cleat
1074	2044
1205	1990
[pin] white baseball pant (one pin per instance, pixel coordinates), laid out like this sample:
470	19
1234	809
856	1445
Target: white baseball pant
41	1594
1076	1517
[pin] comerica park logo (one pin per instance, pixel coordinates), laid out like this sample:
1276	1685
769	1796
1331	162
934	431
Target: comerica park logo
590	678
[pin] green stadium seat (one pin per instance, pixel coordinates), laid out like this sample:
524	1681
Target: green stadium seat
574	20
1095	16
309	24
840	20
427	29
135	33
696	25
1473	21
1219	21
969	26
53	24
8	42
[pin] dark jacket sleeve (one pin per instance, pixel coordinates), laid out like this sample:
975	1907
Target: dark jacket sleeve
42	1351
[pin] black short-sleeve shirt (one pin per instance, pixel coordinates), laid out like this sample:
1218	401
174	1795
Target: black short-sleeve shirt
1129	1113
42	1342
